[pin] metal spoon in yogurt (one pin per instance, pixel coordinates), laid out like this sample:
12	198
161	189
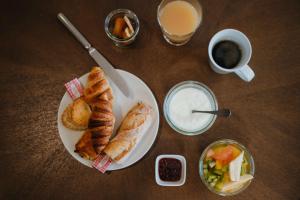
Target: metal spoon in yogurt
222	112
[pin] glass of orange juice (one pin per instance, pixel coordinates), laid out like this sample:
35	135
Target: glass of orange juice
179	19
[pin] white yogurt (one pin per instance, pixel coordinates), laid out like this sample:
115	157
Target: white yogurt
181	105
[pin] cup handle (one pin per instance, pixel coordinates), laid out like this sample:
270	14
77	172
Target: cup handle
245	73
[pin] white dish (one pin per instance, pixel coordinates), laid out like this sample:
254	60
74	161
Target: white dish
183	171
141	93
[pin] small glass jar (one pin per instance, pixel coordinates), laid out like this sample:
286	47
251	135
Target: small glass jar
109	24
171	38
248	156
190	84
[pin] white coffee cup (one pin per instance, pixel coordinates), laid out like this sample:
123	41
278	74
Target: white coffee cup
242	69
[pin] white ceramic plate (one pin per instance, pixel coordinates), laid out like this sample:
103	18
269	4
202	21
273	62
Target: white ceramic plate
121	106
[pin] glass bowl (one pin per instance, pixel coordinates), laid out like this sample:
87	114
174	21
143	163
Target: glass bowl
109	23
247	155
190	84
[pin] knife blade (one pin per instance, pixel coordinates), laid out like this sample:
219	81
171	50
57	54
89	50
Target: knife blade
100	59
111	71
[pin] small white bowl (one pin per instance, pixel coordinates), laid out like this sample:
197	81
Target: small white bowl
183	171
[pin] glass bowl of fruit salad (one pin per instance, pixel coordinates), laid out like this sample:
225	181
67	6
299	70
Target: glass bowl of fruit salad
226	167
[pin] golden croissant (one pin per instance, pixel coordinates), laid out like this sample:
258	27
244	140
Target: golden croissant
99	96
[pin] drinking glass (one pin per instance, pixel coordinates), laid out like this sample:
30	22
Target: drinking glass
179	40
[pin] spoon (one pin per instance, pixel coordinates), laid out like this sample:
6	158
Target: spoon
221	112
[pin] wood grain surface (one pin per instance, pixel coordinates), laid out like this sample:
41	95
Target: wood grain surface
38	55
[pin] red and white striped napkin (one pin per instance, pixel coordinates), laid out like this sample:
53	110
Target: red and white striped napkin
102	162
74	88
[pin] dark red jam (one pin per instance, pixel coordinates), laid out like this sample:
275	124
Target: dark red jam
169	169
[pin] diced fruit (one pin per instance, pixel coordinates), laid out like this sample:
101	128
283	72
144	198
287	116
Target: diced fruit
236	184
207	162
212	164
226	178
236	152
218	172
225	155
218	149
124	34
212	184
219	164
130	28
211	178
208	174
219	186
244	169
119	27
210	153
235	167
127	33
225	168
245	160
208	159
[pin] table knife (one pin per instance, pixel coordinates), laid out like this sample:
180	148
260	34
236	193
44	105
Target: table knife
100	60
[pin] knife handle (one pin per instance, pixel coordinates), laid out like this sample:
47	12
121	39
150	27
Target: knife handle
73	30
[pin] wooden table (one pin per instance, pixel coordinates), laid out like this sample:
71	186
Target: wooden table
38	56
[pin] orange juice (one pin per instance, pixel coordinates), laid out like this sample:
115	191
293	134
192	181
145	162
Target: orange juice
179	18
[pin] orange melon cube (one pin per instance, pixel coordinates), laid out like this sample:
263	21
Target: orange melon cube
219	164
226	177
235	151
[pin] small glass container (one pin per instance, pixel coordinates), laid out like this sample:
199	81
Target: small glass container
109	24
190	84
248	156
171	38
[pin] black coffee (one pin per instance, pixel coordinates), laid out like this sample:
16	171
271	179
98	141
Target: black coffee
227	54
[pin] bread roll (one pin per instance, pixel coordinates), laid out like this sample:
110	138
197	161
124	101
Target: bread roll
132	129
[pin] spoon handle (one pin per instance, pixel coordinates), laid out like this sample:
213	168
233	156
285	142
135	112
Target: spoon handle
221	112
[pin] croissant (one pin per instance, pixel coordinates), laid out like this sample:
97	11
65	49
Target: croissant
132	129
84	146
99	96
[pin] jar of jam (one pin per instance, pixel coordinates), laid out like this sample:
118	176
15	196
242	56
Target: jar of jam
170	170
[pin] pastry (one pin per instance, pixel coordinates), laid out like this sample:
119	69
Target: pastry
84	147
132	129
122	28
99	96
76	116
